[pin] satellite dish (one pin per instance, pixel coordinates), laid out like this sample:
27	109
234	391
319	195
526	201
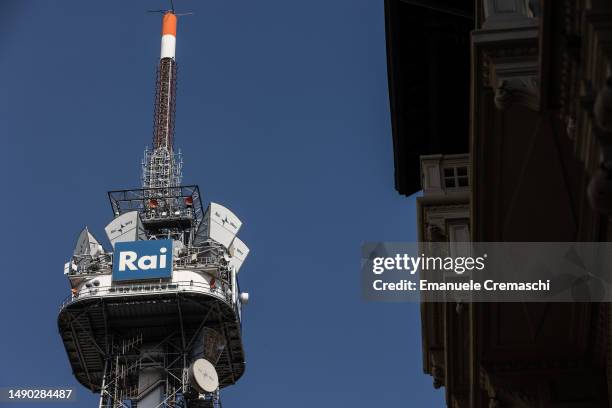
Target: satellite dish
87	244
177	247
203	376
126	227
219	224
239	251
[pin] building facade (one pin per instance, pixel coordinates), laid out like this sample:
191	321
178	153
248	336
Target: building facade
515	147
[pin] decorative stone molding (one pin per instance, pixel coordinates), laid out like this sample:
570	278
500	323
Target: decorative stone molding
514	81
598	17
437	371
507	50
509	13
435	233
599	190
569	88
503	392
461	401
438	376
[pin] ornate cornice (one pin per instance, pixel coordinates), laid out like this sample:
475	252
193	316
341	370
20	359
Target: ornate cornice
507	53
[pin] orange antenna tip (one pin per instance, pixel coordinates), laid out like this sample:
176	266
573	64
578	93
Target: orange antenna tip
169	24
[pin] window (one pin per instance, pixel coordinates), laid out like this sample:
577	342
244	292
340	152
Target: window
456	177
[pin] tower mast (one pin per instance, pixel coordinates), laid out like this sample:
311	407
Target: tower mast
165	330
161	166
165	93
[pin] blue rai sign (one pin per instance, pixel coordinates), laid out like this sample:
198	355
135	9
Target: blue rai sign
137	260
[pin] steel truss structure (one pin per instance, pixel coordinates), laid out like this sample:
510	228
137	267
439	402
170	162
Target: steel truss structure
152	203
162	168
165	105
110	340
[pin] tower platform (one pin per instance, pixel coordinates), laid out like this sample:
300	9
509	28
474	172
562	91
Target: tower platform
97	322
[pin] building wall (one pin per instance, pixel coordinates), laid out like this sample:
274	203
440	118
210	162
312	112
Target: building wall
534	146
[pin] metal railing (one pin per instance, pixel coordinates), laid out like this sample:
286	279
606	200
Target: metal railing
221	291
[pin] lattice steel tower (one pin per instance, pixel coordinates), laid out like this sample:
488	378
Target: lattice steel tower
156	320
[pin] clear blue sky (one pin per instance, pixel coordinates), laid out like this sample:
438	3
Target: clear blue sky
283	116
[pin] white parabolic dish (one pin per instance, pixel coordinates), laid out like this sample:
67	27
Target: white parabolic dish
203	376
